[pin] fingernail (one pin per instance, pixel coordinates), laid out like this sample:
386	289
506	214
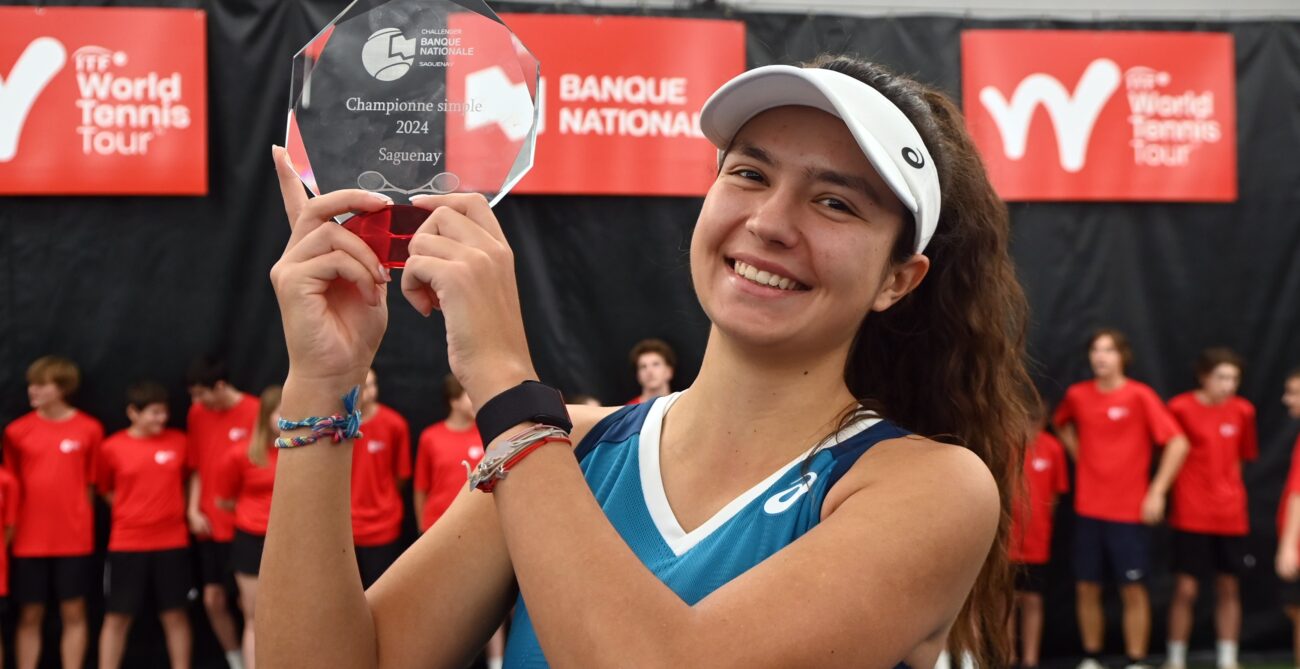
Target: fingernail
388	276
419	198
381	197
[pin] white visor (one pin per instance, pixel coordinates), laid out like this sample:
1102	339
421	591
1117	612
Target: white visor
889	141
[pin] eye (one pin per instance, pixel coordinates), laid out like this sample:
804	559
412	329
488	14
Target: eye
748	174
836	204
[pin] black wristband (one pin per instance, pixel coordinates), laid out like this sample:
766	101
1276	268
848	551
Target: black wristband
528	402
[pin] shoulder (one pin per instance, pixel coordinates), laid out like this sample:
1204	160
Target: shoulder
88	422
922	478
390	416
1181	400
1079	389
20	425
174	436
1049	442
586	417
1244	406
1141	389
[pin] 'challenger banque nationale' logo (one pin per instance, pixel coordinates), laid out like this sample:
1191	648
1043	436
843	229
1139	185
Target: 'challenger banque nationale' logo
388	54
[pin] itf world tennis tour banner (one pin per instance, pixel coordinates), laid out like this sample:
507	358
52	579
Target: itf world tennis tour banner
1093	115
623	122
103	101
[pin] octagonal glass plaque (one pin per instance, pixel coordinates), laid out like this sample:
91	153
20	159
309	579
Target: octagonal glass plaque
410	97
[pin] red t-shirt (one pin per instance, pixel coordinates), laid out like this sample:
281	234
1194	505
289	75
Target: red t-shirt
211	435
1116	430
1292	487
1046	477
380	458
1209	496
147	479
438	469
249	486
54	462
8	516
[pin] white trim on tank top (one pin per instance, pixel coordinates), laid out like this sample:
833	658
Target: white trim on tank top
652	482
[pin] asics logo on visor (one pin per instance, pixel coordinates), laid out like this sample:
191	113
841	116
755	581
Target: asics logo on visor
913	158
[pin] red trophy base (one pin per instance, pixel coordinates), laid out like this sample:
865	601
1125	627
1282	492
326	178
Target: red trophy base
388	231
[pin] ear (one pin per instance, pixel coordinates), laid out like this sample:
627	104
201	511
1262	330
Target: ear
132	413
900	280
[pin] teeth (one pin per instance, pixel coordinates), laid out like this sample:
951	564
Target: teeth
765	278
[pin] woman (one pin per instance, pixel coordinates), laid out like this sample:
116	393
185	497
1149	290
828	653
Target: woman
244	487
874	561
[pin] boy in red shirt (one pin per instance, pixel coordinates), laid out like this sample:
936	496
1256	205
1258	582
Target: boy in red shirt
381	464
1108	425
439	474
1046	476
244	486
8	516
654	362
51	451
141	475
1288	520
219	417
1209	503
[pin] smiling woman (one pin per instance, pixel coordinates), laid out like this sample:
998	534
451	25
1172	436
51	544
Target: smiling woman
852	258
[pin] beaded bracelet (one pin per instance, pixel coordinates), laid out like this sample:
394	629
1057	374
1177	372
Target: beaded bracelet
505	454
338	427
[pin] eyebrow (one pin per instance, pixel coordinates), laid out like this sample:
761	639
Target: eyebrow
849	181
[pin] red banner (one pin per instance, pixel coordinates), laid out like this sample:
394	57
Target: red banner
1084	115
103	101
626	123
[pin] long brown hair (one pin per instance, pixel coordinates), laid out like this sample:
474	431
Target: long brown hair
948	359
264	430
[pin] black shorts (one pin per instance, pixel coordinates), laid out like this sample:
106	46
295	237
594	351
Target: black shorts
34	580
214	562
1290	592
373	561
133	578
1204	555
1123	549
1031	578
246	553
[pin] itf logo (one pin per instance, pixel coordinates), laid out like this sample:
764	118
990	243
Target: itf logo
1073	114
36	66
388	54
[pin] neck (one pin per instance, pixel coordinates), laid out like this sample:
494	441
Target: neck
1204	397
229	397
746	394
55	411
138	433
1110	381
459	421
648	394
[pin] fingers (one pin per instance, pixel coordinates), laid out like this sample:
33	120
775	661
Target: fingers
323	209
340	264
418	282
471	205
332	238
291	187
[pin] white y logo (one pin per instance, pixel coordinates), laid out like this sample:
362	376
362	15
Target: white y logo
511	106
782	501
1073	116
36	66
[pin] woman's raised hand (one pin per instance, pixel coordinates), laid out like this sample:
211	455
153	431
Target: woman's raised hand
330	284
461	264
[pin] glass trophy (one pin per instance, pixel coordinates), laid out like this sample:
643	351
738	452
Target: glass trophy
412	97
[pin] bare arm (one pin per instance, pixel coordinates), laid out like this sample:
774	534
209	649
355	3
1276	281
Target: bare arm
1288	544
1175	453
1069	437
198	522
419	498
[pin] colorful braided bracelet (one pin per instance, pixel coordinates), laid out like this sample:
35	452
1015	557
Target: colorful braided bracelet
338	427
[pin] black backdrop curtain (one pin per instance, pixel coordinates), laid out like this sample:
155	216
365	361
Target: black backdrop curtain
135	287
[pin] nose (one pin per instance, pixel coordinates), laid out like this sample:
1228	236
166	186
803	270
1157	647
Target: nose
774	220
